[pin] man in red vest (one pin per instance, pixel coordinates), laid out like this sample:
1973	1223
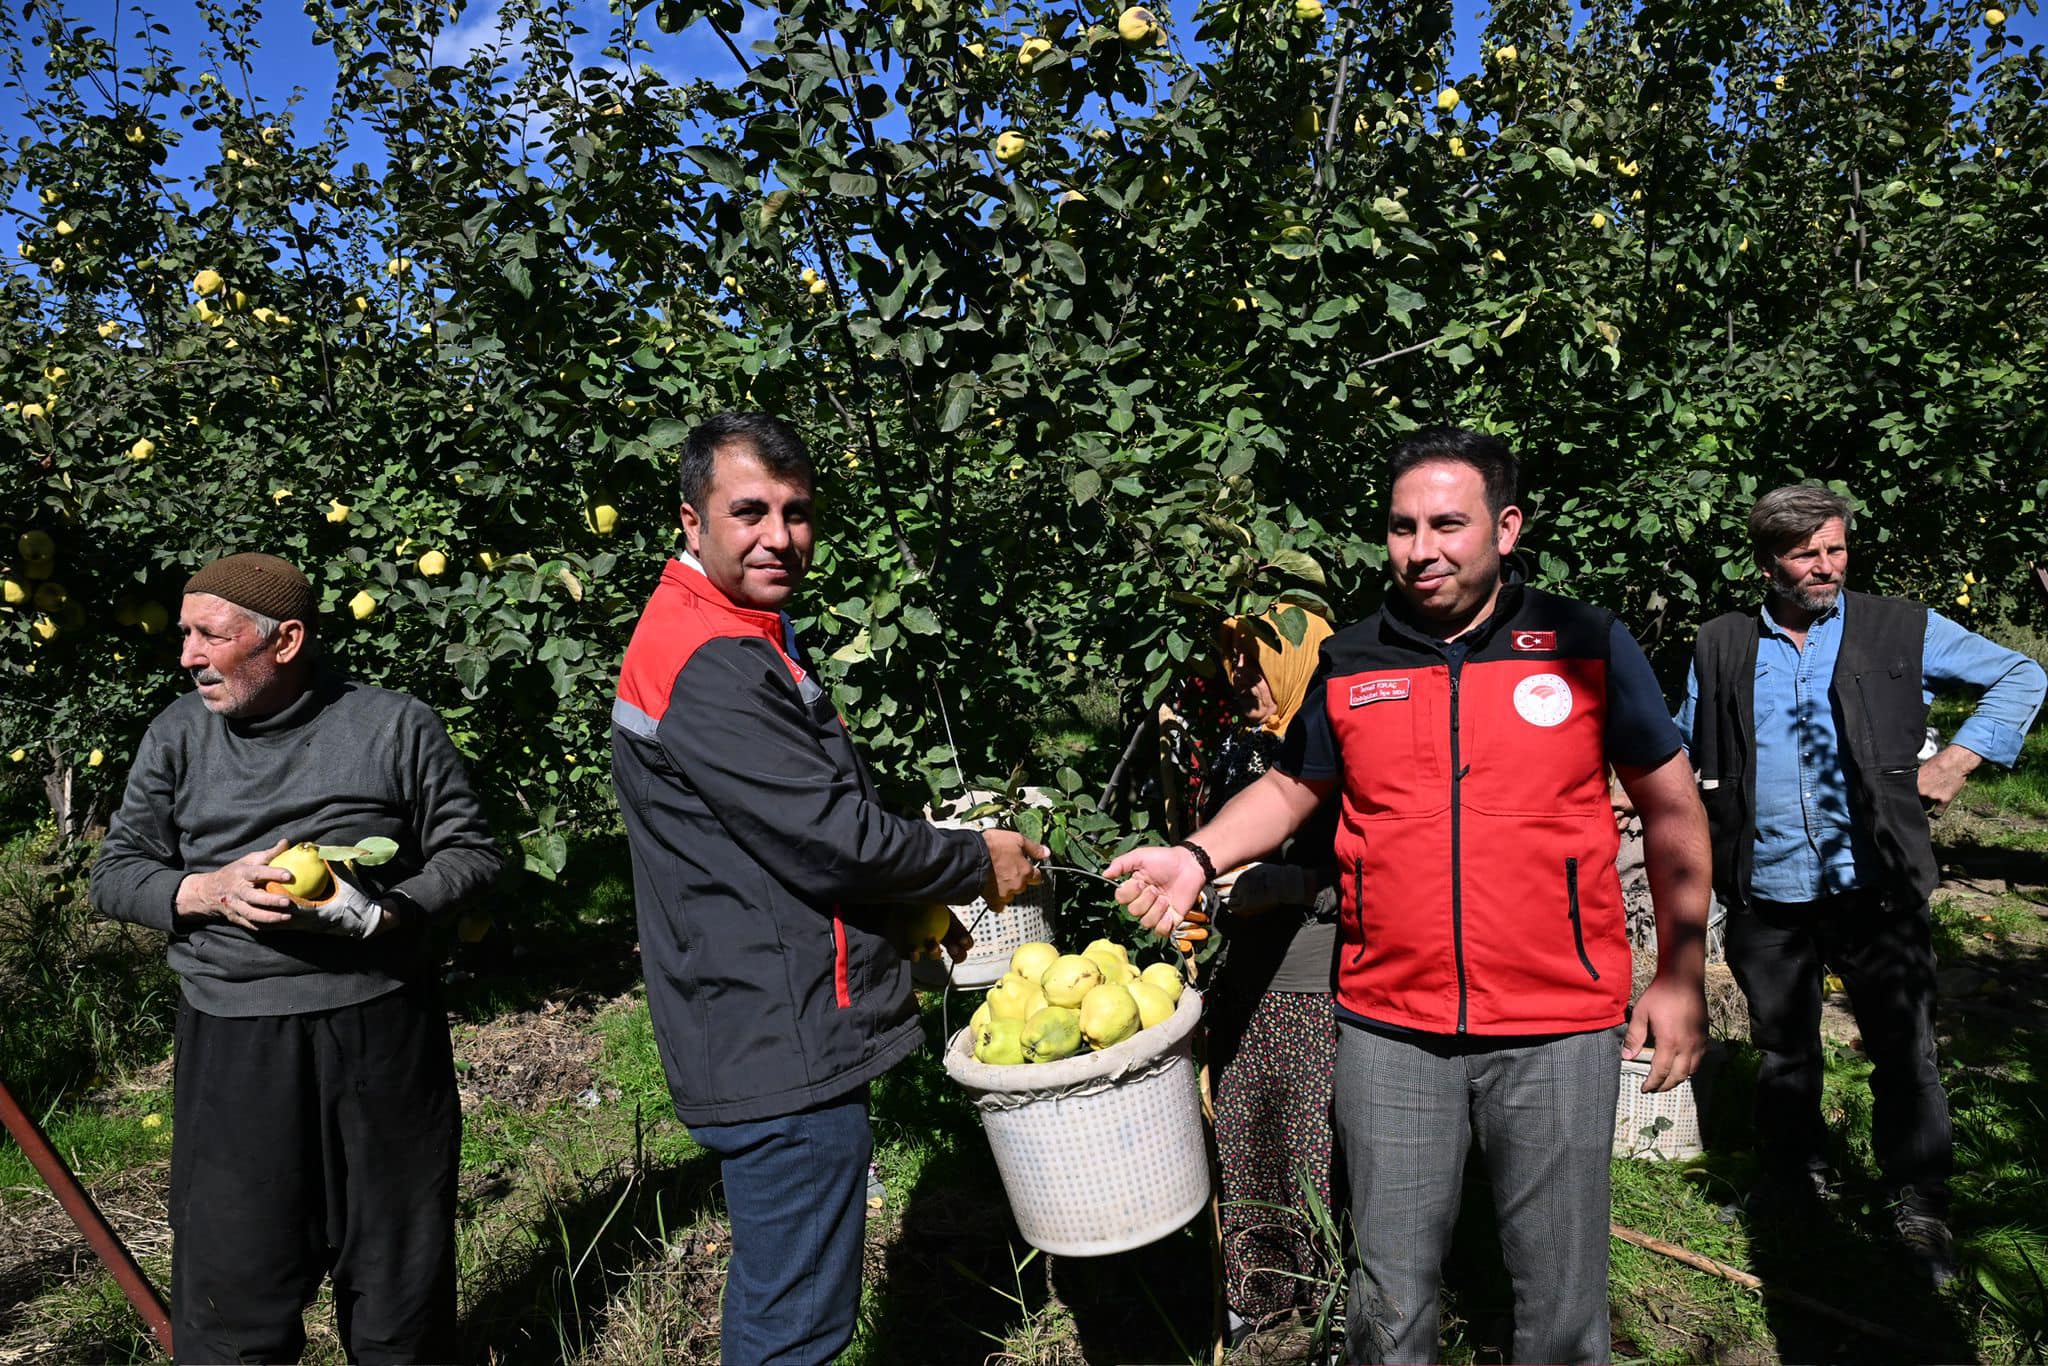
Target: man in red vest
1482	962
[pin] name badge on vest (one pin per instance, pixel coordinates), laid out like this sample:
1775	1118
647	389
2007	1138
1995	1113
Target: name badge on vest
1379	690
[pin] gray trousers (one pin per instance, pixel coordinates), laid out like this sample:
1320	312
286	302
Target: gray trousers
1407	1108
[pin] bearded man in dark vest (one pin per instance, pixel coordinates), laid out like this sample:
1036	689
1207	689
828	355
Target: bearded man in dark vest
1805	721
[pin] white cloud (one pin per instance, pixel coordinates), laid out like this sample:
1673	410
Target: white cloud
481	28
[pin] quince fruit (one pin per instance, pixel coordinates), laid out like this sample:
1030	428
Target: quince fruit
309	877
1011	147
1051	1034
1109	1015
1000	1042
1154	1005
1136	25
1070	979
1165	978
919	932
1031	960
1010	998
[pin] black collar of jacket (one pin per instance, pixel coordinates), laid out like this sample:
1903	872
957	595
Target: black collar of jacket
1401	619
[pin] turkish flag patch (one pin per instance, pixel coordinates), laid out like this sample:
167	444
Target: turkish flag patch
1379	690
1535	640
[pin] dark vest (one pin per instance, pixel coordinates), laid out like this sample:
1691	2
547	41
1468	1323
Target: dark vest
1882	717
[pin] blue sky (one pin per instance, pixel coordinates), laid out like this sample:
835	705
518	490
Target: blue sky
289	60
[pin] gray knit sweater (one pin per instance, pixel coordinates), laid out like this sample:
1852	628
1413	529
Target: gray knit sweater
343	762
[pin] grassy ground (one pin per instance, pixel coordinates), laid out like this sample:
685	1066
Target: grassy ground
591	1228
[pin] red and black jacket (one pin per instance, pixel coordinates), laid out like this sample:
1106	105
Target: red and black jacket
760	855
1476	841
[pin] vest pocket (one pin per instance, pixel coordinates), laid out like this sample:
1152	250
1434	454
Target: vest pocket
1571	891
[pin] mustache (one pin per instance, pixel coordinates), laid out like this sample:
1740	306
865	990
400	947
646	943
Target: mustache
205	676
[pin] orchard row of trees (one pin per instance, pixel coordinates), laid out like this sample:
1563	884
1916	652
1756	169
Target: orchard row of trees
1097	323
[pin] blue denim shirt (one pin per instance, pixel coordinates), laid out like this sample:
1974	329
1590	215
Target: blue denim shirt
1807	845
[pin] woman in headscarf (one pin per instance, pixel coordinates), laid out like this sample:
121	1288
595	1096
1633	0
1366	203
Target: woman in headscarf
1272	1033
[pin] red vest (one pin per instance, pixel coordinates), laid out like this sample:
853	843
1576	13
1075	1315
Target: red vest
1476	841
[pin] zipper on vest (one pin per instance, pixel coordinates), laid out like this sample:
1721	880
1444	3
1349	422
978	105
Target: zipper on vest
1571	890
1358	902
1457	860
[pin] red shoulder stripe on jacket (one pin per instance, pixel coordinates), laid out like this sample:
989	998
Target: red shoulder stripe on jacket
685	612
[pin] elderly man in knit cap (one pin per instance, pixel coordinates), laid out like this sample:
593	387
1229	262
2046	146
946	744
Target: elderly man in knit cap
317	1127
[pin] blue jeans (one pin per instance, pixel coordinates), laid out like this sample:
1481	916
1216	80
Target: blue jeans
796	1190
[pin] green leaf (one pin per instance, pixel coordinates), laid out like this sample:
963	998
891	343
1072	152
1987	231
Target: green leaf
1084	484
958	402
723	167
920	621
851	186
1560	158
1068	260
369	851
665	432
1402	302
1299	563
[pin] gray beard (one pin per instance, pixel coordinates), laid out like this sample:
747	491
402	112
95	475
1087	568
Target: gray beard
1805	601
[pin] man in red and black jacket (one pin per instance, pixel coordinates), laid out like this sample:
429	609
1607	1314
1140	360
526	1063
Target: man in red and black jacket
1482	960
761	862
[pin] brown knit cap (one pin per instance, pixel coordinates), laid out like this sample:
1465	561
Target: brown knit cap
263	584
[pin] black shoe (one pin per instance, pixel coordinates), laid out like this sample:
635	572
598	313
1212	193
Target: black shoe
1926	1238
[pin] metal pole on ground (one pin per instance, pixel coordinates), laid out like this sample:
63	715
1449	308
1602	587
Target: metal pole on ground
99	1235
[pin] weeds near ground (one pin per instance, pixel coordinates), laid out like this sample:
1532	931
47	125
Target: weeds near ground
85	997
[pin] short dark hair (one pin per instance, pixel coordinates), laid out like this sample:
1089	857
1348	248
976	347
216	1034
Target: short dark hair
768	439
1487	454
1787	516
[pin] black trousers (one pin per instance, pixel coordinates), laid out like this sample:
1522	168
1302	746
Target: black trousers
1779	953
308	1145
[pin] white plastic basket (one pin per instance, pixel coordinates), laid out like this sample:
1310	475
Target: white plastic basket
1641	1129
997	933
1101	1152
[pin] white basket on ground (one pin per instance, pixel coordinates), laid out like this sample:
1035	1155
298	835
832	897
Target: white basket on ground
997	933
1101	1152
1664	1126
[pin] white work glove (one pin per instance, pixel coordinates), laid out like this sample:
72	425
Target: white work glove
1262	886
345	911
